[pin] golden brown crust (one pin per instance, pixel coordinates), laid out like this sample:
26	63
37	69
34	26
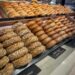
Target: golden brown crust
22	61
65	36
14	47
37	51
7	70
3	61
51	33
37	29
2	52
26	36
30	23
17	54
23	32
39	33
42	37
55	36
58	39
11	41
7	36
51	43
30	40
6	30
21	27
34	45
33	26
46	40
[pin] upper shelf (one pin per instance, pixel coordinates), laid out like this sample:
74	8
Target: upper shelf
14	11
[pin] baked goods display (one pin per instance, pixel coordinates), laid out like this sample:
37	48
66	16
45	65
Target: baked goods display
40	33
56	29
30	40
23	41
15	48
17	9
6	68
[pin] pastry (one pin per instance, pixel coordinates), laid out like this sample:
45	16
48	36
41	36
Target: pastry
23	32
26	36
37	29
61	32
46	40
65	36
34	45
6	30
2	52
30	40
14	47
7	36
38	50
20	28
11	41
39	33
42	37
22	61
55	36
58	39
51	33
33	26
16	25
3	61
30	23
17	54
7	70
51	44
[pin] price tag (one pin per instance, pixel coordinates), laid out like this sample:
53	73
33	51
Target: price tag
32	70
56	53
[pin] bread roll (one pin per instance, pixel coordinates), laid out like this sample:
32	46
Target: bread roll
7	70
7	36
6	30
37	29
39	33
42	37
30	40
58	39
38	50
55	36
19	28
14	47
34	45
46	40
3	61
65	36
11	41
51	43
51	33
33	26
17	54
22	61
18	24
30	23
23	32
26	36
2	52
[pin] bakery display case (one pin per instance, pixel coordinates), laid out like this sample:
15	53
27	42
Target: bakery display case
33	34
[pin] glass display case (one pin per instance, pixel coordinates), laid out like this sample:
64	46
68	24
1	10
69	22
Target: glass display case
32	31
